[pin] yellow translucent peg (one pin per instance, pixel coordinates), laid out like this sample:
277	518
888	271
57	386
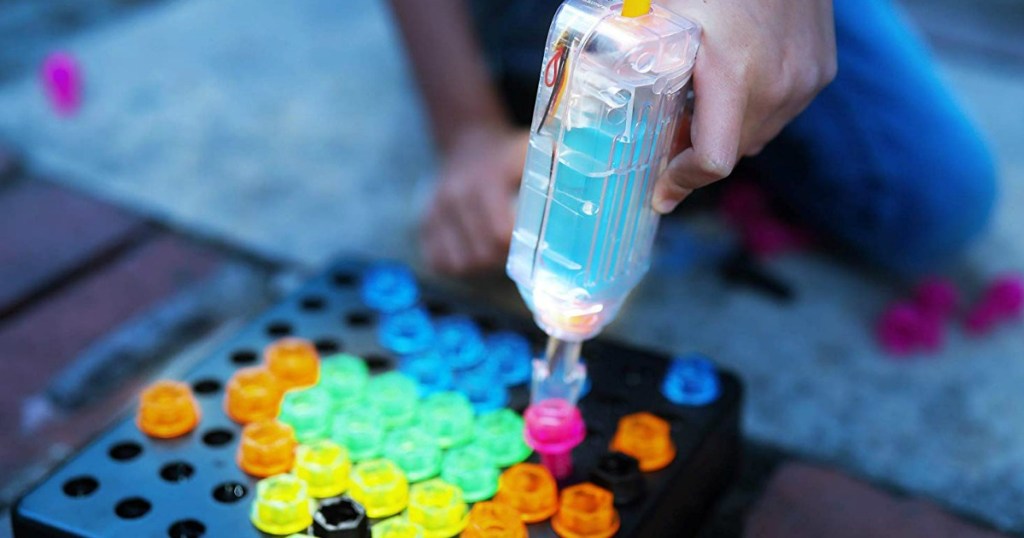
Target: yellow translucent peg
380	486
324	466
438	507
282	505
397	527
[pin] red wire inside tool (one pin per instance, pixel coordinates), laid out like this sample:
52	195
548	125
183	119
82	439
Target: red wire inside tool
551	70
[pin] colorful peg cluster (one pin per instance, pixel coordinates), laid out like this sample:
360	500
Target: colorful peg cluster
315	430
312	421
411	464
343	453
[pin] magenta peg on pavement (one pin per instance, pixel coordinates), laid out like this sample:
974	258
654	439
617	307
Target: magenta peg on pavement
1006	294
745	206
769	236
937	297
743	203
931	331
904	329
1002	301
553	428
981	320
62	80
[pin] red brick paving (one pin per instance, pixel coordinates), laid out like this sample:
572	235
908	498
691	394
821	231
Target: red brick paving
41	340
805	501
47	232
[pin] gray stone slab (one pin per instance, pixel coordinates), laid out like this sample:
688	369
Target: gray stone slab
268	124
292	129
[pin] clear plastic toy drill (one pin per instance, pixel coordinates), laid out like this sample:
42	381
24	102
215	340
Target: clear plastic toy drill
611	93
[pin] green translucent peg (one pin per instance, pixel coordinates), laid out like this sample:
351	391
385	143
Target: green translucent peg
415	451
448	416
349	405
344	377
395	396
361	431
308	412
471	469
500	433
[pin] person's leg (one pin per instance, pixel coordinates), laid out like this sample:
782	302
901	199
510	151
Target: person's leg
884	159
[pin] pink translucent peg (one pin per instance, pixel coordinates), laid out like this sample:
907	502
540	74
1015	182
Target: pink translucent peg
553	428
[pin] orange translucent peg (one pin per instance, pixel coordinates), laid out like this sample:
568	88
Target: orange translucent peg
647	438
253	394
294	361
530	489
267	448
167	409
586	511
491	519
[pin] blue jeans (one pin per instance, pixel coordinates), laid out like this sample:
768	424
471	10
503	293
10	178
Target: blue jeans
883	160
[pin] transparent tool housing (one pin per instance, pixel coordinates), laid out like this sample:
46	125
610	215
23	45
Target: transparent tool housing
610	96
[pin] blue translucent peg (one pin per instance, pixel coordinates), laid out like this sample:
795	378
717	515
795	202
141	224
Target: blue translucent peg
428	368
459	342
512	355
691	380
389	287
484	390
408	331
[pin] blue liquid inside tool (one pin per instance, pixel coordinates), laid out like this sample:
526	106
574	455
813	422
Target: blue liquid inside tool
585	242
428	368
459	342
513	355
408	331
389	287
691	380
581	244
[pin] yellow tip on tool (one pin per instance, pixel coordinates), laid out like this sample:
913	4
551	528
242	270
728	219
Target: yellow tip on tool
636	8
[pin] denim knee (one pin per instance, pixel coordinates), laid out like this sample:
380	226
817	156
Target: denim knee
943	203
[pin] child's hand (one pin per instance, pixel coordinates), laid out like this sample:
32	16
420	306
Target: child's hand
469	224
761	62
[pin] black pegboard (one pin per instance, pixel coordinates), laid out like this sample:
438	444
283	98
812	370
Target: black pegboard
124	484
